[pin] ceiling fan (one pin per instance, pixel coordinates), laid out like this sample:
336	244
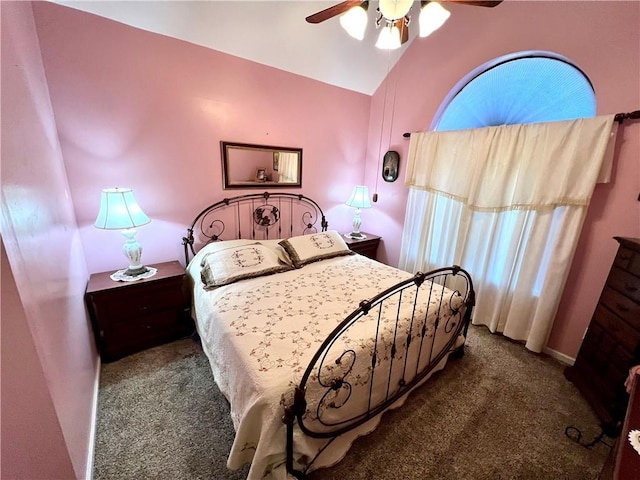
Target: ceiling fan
393	16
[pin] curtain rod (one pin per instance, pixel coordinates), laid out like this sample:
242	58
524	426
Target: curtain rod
619	117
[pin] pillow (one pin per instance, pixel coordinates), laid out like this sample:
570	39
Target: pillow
195	264
282	253
222	267
317	246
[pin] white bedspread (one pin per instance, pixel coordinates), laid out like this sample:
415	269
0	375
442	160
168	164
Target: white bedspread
260	334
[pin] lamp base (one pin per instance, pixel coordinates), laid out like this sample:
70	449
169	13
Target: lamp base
138	274
355	235
134	272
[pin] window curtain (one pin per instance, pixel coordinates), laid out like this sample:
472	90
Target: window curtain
507	204
287	167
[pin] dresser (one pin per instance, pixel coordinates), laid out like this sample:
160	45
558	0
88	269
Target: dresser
611	344
128	317
365	246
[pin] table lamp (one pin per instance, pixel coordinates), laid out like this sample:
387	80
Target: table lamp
120	211
359	199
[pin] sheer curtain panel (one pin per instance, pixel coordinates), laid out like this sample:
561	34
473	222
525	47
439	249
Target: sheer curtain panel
507	204
287	167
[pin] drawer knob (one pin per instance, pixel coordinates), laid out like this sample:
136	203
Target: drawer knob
622	308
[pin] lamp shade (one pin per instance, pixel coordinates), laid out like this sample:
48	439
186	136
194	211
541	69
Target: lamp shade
359	197
119	210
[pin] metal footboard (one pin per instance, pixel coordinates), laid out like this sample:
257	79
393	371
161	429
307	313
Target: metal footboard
378	354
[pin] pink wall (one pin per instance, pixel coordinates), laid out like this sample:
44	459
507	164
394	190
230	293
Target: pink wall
602	38
145	111
49	362
33	444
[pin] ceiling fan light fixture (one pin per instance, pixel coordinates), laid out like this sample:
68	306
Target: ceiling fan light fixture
355	20
394	9
389	38
432	17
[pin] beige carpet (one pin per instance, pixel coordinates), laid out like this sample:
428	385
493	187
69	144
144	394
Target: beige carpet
498	413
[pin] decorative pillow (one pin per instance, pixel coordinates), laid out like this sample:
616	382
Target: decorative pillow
229	265
317	246
282	253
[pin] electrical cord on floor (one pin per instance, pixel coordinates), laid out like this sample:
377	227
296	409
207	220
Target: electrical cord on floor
574	433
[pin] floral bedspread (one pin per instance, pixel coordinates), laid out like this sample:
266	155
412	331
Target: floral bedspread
260	334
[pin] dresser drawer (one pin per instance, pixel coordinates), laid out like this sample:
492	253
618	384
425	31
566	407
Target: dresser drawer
628	260
622	306
625	283
623	258
634	264
605	363
622	333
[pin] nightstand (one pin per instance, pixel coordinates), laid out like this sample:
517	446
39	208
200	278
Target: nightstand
367	246
128	317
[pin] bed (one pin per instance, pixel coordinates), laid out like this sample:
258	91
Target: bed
309	342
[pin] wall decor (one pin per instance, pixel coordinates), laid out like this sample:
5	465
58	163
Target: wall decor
246	165
390	166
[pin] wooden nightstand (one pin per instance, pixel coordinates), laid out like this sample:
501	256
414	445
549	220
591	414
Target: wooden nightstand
367	247
128	317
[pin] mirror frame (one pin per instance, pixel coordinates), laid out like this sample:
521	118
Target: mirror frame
229	184
390	166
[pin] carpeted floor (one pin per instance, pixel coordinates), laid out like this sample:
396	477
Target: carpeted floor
498	413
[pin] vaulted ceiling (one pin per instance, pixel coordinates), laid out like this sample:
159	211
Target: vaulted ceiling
272	33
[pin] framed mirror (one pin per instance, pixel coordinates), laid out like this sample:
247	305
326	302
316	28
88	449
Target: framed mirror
245	165
390	166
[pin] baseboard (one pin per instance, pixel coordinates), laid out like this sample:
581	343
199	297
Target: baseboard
94	421
561	357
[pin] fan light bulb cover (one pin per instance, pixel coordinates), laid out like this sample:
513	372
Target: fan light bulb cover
354	21
389	38
432	17
394	9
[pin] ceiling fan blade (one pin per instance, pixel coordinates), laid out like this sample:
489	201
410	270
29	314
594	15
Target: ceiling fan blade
403	28
479	3
333	11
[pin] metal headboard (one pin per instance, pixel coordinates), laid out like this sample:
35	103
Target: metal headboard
255	216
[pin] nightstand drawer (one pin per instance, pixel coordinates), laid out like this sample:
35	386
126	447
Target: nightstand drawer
142	301
135	335
150	327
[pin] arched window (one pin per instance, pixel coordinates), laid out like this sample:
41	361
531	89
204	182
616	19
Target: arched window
525	87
